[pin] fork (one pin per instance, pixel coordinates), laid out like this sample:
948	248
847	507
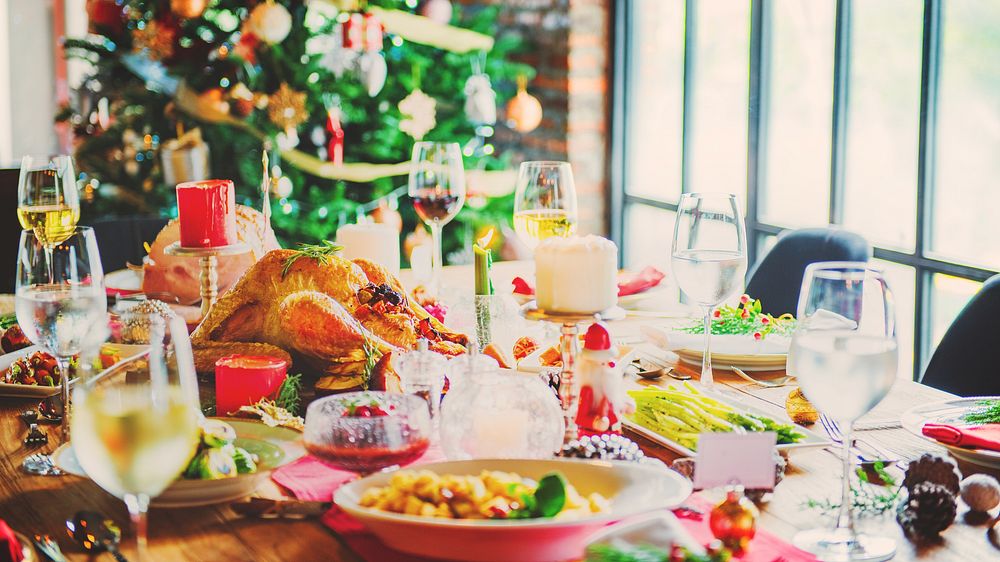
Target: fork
773	383
837	436
41	465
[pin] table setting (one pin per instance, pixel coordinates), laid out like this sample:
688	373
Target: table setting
321	402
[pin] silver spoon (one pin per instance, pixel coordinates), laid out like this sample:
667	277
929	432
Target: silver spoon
771	383
95	533
51	409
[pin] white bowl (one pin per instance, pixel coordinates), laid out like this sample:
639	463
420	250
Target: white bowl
633	489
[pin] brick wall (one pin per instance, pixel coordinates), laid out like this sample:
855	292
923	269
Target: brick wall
569	46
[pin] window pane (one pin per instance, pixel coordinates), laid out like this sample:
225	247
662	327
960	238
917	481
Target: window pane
967	195
798	113
902	281
718	105
948	296
883	111
648	232
655	101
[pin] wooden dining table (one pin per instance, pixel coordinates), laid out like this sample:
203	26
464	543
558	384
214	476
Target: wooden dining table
41	504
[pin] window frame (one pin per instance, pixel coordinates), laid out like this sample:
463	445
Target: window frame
924	262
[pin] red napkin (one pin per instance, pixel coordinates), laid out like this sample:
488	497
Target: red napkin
10	547
974	436
309	479
628	283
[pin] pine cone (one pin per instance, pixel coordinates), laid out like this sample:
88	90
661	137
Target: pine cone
929	509
933	468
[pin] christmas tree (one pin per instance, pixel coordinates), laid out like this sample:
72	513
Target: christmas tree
335	91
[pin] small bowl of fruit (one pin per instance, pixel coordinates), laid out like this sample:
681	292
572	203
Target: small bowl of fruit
368	431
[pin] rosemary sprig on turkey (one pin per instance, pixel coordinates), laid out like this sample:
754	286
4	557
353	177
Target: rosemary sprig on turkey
319	252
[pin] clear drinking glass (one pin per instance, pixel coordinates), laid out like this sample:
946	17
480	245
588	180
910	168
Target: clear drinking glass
136	425
709	256
844	354
544	201
437	187
59	297
48	200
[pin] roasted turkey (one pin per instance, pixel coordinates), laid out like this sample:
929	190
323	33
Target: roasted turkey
326	314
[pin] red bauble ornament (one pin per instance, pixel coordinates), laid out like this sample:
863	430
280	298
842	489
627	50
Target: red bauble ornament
105	16
373	33
352	31
335	146
734	521
188	8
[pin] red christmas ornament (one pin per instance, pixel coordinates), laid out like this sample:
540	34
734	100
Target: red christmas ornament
105	16
353	32
598	338
373	33
734	521
335	146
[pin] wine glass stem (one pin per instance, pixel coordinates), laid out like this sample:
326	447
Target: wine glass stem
707	378
845	521
49	266
137	505
437	261
63	363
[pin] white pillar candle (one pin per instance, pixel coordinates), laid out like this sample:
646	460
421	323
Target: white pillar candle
372	241
576	274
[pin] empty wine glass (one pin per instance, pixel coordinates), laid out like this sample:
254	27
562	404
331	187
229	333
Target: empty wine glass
59	297
544	202
136	425
709	256
437	187
844	354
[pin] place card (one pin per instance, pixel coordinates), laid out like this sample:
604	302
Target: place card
740	458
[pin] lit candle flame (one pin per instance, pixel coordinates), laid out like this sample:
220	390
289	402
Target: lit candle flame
484	242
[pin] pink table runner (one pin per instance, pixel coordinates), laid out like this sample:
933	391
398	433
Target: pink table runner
309	479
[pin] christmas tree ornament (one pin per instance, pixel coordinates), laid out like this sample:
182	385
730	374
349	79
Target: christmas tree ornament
241	100
335	144
185	158
419	114
352	32
602	400
212	102
524	111
934	468
286	107
385	214
104	16
188	8
372	71
981	492
480	100
374	32
154	40
734	521
246	47
282	187
437	10
270	22
929	509
609	447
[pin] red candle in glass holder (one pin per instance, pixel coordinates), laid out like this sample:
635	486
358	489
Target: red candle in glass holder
207	213
242	380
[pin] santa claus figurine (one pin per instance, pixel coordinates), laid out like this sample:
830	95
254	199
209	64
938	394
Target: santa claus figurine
602	388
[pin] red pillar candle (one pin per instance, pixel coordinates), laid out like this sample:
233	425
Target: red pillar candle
207	213
242	380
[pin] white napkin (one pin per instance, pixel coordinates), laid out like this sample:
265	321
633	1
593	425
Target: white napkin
726	344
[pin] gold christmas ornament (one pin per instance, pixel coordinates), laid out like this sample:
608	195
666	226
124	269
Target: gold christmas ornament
524	111
188	8
155	40
286	107
270	22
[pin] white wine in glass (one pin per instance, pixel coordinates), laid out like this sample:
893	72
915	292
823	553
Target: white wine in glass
48	201
544	202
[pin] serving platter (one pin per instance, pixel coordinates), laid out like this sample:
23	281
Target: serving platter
274	446
24	390
810	441
950	412
632	488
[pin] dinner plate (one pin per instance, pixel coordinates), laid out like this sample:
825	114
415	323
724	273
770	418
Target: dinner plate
123	282
24	390
625	301
811	439
632	488
274	446
745	362
950	411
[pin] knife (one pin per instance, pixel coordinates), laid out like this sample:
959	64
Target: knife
266	508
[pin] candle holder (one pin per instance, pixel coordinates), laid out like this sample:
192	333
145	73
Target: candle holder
569	346
209	258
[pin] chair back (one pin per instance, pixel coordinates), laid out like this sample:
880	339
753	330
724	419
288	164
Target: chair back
10	229
967	361
120	240
777	277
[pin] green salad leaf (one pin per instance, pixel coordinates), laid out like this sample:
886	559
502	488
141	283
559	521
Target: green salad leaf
745	319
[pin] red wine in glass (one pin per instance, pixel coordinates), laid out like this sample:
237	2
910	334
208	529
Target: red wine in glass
436	206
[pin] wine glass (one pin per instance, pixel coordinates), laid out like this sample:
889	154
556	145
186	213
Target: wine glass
136	425
437	187
844	353
544	202
59	297
709	256
48	201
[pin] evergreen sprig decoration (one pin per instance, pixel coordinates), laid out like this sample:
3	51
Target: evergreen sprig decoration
865	498
319	252
746	318
372	356
289	394
986	411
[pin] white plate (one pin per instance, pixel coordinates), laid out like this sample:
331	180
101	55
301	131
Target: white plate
24	390
950	411
758	362
123	280
624	302
633	489
274	446
811	439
